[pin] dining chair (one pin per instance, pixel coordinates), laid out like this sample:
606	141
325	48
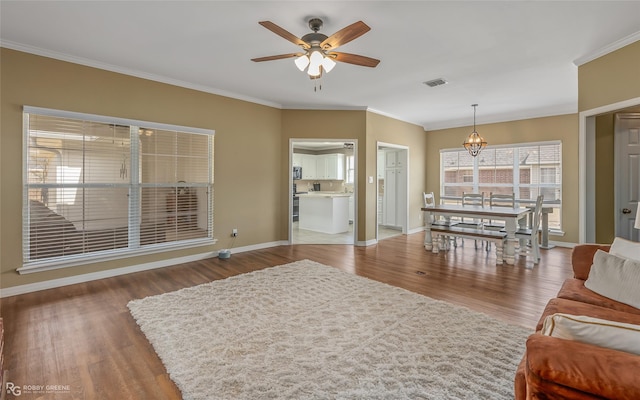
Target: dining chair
471	199
430	201
530	235
498	200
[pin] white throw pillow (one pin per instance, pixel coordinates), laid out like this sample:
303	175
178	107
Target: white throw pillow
598	332
625	248
615	277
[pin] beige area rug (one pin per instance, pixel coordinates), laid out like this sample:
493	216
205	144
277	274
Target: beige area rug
308	331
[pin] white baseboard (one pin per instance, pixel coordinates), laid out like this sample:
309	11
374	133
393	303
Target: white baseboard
563	244
257	246
93	276
71	280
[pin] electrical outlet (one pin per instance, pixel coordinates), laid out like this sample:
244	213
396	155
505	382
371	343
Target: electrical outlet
234	232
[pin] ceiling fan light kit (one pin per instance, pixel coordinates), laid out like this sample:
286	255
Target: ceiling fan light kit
318	56
474	143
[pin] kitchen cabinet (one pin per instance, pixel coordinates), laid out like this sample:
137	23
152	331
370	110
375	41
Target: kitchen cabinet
326	213
352	209
296	160
334	166
322	166
308	162
393	159
329	166
390	158
390	200
394	190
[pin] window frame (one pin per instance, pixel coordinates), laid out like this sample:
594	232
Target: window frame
350	162
135	186
516	186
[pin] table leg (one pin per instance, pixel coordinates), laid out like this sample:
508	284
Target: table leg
545	232
499	252
510	242
428	238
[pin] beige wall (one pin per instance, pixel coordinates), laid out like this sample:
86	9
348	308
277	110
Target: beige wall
388	130
367	128
562	127
313	124
247	182
610	79
605	205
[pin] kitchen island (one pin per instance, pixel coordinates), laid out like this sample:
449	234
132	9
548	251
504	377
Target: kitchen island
326	212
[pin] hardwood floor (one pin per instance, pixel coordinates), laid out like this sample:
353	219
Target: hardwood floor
83	336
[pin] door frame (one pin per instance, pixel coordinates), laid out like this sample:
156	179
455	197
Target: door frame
586	171
619	179
355	183
405	218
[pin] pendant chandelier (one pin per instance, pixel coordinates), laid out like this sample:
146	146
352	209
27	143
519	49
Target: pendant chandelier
474	143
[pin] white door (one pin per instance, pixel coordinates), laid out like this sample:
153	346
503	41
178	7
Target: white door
390	196
627	174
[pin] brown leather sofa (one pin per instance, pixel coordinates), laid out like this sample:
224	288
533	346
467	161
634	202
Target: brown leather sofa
554	368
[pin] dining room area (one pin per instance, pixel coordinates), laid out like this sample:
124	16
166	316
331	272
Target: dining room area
504	200
497	221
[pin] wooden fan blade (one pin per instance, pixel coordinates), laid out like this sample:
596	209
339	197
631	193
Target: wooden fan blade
284	33
277	57
354	59
345	35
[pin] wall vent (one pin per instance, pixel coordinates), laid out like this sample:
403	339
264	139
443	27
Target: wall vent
436	82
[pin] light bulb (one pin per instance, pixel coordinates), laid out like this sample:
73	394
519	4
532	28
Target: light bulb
315	59
314	70
328	64
302	62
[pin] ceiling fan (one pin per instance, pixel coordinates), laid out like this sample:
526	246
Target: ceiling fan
318	49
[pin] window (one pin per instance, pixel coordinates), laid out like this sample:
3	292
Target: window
351	168
98	188
525	169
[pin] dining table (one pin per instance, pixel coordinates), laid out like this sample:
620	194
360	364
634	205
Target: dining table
513	218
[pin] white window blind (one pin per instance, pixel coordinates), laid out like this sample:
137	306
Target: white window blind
98	187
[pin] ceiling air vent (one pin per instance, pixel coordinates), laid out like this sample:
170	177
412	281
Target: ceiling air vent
436	82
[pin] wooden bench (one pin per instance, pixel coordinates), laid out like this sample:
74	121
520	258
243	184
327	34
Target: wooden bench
469	233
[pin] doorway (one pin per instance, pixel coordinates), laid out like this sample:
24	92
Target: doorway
392	190
587	170
323	191
627	174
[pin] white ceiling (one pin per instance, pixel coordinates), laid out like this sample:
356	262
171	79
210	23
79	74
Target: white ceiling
514	58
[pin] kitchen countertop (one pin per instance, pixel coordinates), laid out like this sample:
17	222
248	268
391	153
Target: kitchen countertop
325	194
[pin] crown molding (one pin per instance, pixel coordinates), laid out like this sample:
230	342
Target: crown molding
131	72
625	41
323	107
385	114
